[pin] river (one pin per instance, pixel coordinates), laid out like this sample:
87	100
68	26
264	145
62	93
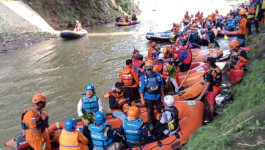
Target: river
60	69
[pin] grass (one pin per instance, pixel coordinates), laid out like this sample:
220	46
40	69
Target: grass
234	122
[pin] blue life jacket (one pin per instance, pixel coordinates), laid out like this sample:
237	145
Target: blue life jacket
90	105
98	138
132	130
152	85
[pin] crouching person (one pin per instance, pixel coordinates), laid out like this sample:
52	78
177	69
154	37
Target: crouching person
168	125
133	129
70	138
102	134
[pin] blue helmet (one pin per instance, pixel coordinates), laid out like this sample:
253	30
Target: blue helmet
202	31
70	124
180	32
90	86
209	25
100	117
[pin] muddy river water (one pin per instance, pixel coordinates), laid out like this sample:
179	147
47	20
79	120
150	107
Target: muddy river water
61	68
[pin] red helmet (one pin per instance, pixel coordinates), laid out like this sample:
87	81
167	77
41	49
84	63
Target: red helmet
153	44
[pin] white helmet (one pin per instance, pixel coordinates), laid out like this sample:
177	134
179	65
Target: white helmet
161	56
169	100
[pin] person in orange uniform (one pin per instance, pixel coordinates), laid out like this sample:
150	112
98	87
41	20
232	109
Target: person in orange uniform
243	30
117	97
129	78
150	51
35	122
237	62
72	139
213	79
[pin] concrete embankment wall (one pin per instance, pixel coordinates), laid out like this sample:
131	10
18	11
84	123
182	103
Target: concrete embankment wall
17	17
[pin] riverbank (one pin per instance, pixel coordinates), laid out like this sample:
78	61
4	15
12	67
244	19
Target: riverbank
14	41
242	125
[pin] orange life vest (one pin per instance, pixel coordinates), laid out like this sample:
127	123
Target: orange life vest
69	140
127	76
117	96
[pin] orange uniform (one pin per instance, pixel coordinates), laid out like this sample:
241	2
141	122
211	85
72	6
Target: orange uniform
31	118
129	77
243	26
73	140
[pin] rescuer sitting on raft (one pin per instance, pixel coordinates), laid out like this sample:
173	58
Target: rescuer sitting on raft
104	137
70	138
168	124
133	128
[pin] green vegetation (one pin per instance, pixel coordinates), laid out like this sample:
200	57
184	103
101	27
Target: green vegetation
239	119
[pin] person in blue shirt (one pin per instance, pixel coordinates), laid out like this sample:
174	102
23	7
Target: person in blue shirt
195	40
210	36
103	135
151	91
133	129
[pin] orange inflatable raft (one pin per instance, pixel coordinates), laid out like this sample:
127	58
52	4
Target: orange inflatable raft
200	56
190	119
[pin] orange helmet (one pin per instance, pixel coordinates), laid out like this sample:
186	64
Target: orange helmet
234	44
242	12
149	63
133	112
38	97
153	44
155	68
194	25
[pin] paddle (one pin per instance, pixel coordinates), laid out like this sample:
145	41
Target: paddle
184	79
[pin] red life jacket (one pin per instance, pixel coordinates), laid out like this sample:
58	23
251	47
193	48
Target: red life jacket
189	57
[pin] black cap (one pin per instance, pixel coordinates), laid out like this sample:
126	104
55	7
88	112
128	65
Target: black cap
118	85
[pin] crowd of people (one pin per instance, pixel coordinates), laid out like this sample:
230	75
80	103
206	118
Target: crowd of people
145	80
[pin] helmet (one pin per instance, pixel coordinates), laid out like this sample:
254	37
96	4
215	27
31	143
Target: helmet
153	44
180	32
133	112
70	124
233	44
183	42
177	24
169	100
38	97
155	68
202	31
100	117
149	64
161	56
191	15
209	25
242	12
90	86
194	25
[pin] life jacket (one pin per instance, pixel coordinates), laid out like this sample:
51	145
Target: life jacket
69	140
117	96
159	64
127	76
236	63
150	52
188	59
137	65
91	106
42	122
173	123
98	138
217	77
132	130
243	26
165	72
152	85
